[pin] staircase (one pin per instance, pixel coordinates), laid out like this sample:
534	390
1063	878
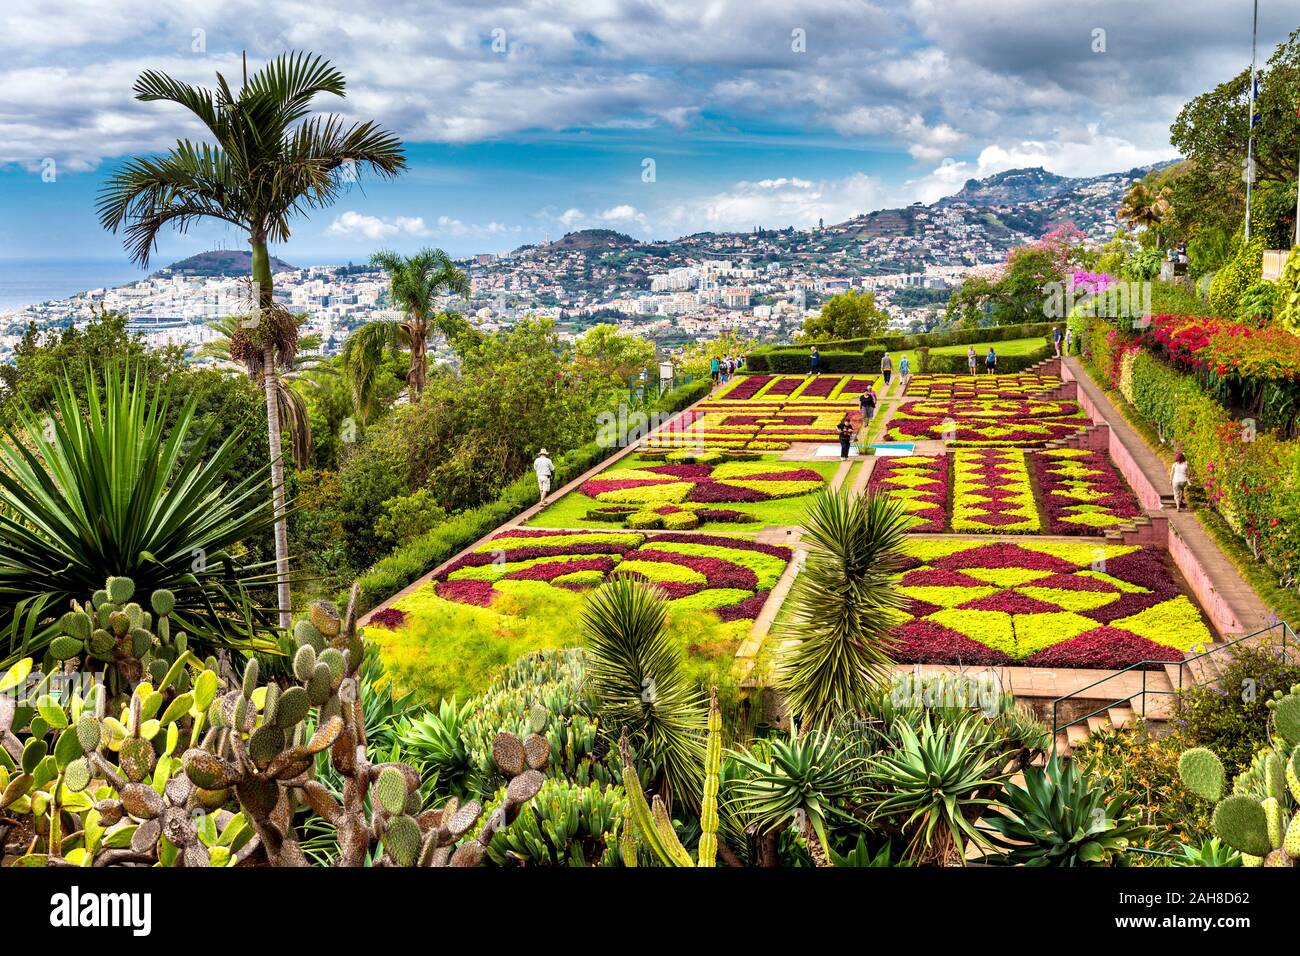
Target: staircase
1113	718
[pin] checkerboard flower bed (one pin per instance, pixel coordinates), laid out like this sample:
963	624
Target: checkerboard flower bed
1083	492
987	422
727	482
1043	603
729	576
992	493
920	482
1024	385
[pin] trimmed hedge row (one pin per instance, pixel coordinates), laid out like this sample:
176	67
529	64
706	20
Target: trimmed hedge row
863	355
420	556
956	364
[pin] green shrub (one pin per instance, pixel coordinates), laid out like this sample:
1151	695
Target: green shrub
1229	716
1239	274
1287	304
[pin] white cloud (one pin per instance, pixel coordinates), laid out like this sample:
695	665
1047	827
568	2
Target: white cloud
776	203
355	225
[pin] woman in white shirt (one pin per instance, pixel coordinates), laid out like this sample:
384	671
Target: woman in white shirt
1178	476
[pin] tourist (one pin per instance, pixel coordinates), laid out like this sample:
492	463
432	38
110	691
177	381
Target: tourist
1069	339
904	371
846	435
886	368
1179	479
545	469
814	361
715	370
971	358
867	405
1056	340
991	362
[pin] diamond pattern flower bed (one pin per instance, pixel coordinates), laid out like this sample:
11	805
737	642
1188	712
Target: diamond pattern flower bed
1043	603
992	493
1023	385
1083	492
920	482
987	422
729	576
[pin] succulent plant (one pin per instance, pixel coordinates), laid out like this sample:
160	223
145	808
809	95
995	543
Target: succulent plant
1261	817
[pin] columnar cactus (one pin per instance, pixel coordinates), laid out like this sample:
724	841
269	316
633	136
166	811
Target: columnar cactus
1261	817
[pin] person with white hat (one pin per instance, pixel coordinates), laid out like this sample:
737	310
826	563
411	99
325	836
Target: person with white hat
545	469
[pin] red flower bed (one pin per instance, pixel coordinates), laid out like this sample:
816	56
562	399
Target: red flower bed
1117	499
783	386
389	617
465	592
746	610
739	544
925	642
884	478
821	387
719	572
1106	648
748	387
550	571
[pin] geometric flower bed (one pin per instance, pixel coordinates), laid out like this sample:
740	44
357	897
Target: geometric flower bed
1023	385
987	422
729	482
767	413
1042	603
992	493
729	576
920	483
1083	491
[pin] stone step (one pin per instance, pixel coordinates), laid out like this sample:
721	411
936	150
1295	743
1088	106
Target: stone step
1063	746
1120	717
1076	734
1097	722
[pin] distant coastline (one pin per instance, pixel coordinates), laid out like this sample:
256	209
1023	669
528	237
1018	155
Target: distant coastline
25	282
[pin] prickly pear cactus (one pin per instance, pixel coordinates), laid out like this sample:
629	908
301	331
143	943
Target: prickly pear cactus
1261	817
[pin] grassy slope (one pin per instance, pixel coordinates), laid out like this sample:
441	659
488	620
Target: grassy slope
1010	347
570	510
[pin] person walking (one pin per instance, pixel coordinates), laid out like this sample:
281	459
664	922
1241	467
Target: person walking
886	368
991	362
814	361
715	370
846	435
545	469
971	358
1069	339
1179	478
1057	335
867	405
904	371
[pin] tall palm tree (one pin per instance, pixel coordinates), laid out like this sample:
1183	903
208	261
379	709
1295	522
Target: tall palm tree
1144	206
414	284
844	602
295	417
270	160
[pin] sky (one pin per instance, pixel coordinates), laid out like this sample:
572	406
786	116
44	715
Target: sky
658	118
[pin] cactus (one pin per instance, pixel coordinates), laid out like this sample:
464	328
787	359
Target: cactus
652	826
1261	818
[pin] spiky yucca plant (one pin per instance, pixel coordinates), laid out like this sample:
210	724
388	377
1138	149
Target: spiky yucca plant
114	491
638	677
844	603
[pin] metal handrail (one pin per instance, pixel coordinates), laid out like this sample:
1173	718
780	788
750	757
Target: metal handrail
1286	632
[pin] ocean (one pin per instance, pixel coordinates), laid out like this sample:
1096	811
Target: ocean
26	282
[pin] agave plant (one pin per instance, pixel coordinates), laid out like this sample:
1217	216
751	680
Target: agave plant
434	743
637	674
1062	818
113	491
935	783
803	781
1212	852
844	603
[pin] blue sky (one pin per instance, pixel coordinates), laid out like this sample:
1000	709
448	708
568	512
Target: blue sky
533	119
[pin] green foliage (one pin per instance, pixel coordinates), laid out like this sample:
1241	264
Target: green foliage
1208	853
639	681
1061	818
1203	773
848	315
566	824
1241	272
114	489
843	605
1287	303
613	356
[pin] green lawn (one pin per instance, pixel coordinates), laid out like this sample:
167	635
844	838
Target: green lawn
570	511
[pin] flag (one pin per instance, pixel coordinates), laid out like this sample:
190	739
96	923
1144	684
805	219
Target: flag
1254	102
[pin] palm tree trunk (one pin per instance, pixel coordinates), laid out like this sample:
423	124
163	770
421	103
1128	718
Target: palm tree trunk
419	373
262	276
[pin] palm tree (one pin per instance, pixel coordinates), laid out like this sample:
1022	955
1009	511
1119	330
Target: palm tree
270	161
844	603
636	670
295	417
113	491
1144	206
414	284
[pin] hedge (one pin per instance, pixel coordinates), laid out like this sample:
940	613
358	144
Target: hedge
795	361
928	363
416	558
894	343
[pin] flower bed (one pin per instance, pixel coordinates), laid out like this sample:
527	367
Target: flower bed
987	422
992	493
920	482
1043	603
728	576
1083	492
1023	385
706	483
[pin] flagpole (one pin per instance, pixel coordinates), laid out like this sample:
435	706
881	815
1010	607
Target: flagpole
1250	119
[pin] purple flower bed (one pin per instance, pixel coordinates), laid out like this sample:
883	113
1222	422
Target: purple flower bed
1117	498
746	610
389	617
738	544
465	592
718	572
821	387
748	387
551	570
1106	648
